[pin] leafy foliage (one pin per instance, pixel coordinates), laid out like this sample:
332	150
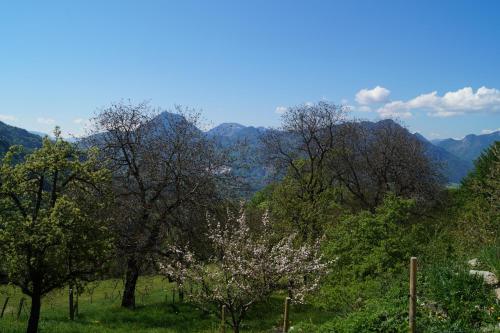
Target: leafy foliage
479	221
50	228
368	248
465	300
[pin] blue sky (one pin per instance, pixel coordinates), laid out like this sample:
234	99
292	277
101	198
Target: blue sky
433	64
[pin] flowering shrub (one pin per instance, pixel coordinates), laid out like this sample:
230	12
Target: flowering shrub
247	267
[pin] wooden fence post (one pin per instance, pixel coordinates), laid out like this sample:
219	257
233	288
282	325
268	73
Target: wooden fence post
4	306
181	293
286	322
21	302
223	320
76	303
71	304
413	294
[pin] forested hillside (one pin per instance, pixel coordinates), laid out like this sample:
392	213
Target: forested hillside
10	135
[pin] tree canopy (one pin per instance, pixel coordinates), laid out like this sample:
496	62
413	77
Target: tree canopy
50	228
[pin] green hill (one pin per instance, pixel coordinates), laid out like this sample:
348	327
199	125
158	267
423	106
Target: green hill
10	135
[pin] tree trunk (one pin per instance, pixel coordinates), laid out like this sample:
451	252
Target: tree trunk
128	300
36	304
236	323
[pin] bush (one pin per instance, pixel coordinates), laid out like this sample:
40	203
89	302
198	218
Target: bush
467	303
490	256
368	249
386	314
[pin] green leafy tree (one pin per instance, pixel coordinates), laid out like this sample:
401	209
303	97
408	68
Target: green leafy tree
484	165
307	217
51	233
369	249
479	218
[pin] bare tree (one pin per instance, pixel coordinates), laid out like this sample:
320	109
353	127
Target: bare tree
161	164
319	148
301	149
372	159
303	144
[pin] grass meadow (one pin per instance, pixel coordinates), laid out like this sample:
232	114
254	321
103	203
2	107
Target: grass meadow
156	311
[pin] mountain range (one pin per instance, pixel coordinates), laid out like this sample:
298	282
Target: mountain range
470	147
456	156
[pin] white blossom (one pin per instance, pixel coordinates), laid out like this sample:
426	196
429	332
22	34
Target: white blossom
247	267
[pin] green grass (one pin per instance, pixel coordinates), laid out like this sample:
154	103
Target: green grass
155	312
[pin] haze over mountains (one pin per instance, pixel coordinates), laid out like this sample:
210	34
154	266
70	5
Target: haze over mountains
470	147
455	156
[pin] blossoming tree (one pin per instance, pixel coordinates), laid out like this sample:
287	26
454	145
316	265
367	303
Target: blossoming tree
246	267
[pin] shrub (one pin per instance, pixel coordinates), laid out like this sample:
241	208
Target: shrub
490	256
466	301
368	248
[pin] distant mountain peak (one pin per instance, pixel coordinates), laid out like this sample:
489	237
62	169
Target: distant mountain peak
469	147
166	116
226	129
236	125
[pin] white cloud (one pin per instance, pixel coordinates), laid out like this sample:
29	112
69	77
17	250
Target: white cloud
489	131
7	117
363	108
281	109
444	114
372	96
394	110
45	121
452	103
79	121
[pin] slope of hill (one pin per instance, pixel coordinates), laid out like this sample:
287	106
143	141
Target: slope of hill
453	167
470	147
10	135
